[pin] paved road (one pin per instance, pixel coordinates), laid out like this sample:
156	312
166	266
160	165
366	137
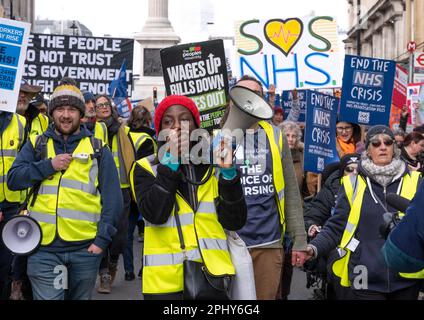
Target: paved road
131	290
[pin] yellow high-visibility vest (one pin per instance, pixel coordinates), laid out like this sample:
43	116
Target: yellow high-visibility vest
39	125
275	139
204	238
100	132
139	138
68	204
11	140
355	187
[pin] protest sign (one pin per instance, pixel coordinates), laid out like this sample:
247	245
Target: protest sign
400	85
198	71
287	103
292	53
13	46
92	62
395	115
415	103
367	90
320	131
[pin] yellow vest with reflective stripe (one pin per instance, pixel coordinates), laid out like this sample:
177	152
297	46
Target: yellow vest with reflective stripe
355	189
100	132
275	138
11	140
39	125
204	238
69	203
139	138
116	152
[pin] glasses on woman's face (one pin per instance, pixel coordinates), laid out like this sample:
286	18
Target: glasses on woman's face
103	105
377	143
347	129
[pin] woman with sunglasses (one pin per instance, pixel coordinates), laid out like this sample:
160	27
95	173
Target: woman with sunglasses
358	215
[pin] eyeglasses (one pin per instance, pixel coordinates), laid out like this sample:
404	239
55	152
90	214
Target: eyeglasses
378	143
341	129
103	105
350	169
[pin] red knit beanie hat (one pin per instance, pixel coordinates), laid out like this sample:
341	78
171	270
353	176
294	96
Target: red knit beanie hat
172	101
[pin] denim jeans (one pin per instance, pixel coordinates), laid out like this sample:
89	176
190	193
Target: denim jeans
63	275
128	253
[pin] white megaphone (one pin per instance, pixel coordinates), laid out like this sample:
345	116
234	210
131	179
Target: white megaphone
21	235
248	108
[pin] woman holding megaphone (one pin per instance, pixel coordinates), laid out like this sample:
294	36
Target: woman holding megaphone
186	204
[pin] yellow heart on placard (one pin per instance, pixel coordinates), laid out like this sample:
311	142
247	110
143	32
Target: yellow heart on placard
284	34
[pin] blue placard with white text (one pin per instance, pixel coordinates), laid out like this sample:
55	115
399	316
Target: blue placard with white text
367	90
320	131
13	45
287	103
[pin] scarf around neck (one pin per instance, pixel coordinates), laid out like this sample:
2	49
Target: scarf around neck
384	175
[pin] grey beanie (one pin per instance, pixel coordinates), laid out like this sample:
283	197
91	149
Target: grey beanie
67	95
376	130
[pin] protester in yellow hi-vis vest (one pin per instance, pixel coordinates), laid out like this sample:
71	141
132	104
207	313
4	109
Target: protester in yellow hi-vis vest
141	134
76	200
273	202
166	194
11	140
36	122
98	128
123	145
358	215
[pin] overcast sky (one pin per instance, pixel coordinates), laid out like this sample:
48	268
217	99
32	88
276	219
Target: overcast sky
124	18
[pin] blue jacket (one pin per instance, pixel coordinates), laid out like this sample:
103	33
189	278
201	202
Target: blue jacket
26	172
380	277
404	249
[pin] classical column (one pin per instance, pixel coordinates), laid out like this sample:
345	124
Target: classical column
388	41
158	17
156	34
399	29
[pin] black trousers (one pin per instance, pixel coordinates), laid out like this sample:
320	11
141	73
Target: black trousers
119	241
6	257
410	293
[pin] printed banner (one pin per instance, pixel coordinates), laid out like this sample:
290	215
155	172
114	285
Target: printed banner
367	90
199	71
287	103
320	131
399	90
415	103
13	46
92	62
395	116
291	53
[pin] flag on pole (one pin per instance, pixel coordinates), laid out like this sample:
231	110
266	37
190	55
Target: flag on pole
118	90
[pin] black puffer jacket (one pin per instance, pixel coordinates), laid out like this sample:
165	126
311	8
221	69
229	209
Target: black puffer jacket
319	210
368	253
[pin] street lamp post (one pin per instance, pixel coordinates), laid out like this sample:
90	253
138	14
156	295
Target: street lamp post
412	35
11	10
358	30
